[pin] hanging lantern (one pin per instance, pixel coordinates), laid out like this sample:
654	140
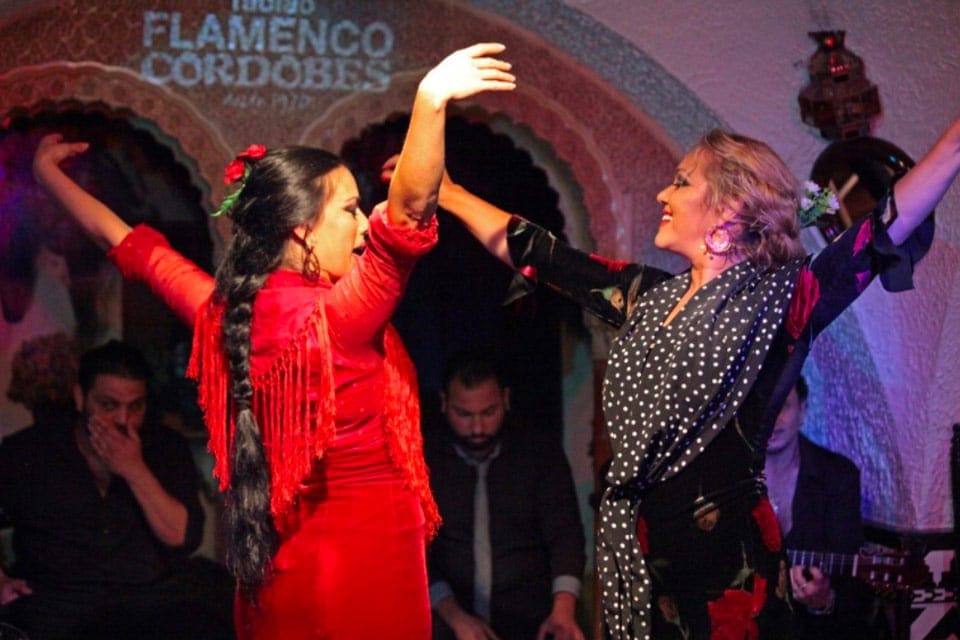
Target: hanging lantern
839	100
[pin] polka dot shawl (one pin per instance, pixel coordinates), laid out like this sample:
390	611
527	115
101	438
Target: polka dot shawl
669	391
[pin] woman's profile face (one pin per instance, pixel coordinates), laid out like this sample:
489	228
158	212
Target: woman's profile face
341	227
686	218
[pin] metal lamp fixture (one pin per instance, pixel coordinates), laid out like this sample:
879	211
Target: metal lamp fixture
839	100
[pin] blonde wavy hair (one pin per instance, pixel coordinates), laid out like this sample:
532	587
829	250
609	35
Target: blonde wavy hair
750	178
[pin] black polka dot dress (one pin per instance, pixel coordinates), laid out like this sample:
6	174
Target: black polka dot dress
686	547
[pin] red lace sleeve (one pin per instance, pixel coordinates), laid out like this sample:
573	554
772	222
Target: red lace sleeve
146	256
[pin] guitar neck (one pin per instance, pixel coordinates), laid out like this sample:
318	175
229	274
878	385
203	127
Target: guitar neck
834	564
887	570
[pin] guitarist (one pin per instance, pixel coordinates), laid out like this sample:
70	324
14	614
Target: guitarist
816	495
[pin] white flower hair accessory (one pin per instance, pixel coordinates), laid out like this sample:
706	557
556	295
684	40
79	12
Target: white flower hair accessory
816	201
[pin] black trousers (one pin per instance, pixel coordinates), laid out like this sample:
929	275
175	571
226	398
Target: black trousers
194	603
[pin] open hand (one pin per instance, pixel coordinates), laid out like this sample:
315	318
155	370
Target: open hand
559	628
468	71
52	150
12	588
468	627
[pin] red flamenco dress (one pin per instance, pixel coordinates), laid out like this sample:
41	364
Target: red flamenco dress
336	400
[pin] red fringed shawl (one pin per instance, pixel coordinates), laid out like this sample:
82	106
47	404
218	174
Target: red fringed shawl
296	428
293	401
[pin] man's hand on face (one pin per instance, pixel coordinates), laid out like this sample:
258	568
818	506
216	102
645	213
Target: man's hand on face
119	448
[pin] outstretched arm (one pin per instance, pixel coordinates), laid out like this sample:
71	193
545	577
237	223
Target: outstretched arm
103	226
486	222
918	192
177	281
412	197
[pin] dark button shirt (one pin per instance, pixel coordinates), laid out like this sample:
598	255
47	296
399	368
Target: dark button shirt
536	535
67	534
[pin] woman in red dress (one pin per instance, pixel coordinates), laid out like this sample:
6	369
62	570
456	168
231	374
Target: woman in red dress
308	394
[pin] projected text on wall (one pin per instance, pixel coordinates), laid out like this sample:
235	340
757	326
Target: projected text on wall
267	44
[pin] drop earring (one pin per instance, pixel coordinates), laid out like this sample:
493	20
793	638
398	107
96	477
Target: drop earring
311	269
311	264
718	240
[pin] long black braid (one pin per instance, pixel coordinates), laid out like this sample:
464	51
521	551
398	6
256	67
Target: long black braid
284	189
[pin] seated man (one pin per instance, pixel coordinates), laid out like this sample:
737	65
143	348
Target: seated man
508	559
105	512
816	495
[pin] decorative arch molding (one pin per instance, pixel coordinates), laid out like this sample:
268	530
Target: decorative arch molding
675	109
644	97
610	204
195	142
527	108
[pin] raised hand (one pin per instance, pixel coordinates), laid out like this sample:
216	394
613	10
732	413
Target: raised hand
51	151
98	221
386	170
921	189
468	71
412	198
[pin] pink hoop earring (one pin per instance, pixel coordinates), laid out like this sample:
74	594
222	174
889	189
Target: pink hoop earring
718	240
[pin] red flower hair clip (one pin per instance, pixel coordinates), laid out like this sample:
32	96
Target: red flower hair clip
237	168
237	171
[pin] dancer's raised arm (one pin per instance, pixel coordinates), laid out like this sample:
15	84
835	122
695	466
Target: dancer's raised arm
412	197
98	220
486	222
918	192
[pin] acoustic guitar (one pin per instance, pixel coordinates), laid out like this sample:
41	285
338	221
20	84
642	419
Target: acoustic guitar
885	571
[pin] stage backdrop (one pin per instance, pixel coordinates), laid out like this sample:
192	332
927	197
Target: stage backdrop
610	94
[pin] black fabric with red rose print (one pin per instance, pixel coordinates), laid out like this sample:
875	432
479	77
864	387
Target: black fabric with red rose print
685	406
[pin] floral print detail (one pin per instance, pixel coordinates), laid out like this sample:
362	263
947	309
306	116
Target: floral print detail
781	590
805	298
614	295
642	539
668	609
707	515
766	520
528	271
614	266
732	615
864	236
